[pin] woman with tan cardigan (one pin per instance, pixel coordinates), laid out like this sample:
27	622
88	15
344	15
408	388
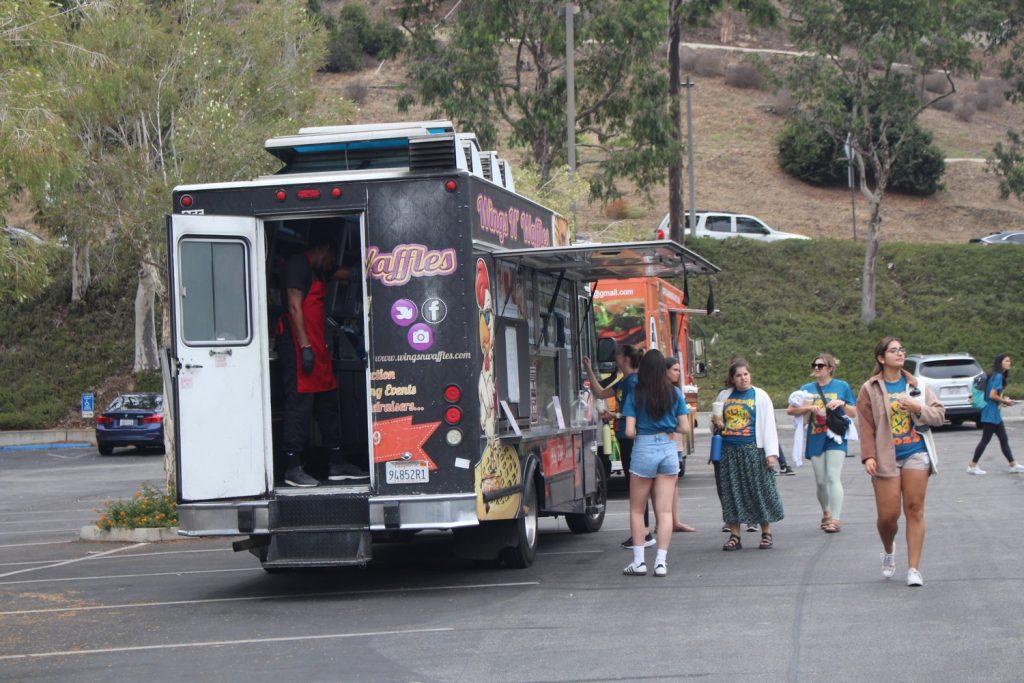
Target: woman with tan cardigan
889	407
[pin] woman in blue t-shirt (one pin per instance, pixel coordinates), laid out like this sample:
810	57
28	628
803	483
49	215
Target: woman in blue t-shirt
826	450
750	453
627	360
654	411
991	419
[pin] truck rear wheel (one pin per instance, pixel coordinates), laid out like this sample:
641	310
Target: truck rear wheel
520	556
596	502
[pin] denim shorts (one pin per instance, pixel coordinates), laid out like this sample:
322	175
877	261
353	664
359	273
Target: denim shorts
917	461
654	454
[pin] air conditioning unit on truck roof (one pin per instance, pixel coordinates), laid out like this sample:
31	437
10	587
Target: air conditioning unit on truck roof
415	146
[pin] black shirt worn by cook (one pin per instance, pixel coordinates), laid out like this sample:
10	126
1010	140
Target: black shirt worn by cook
297	273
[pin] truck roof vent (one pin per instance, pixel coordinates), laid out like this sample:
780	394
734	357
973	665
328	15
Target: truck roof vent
489	164
432	152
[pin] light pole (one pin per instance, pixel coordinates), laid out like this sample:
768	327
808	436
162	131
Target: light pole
689	154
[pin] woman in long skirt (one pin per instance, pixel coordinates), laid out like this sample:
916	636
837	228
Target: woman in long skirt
750	449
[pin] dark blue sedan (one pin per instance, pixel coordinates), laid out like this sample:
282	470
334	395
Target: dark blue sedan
131	420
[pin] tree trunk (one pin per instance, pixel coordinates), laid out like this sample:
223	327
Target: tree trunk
145	325
675	169
725	34
170	443
81	276
867	293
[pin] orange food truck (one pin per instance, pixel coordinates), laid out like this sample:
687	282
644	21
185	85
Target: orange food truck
651	313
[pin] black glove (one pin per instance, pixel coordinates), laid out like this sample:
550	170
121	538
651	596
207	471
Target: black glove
307	360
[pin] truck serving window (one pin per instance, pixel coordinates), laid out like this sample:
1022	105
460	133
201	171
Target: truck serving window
213	302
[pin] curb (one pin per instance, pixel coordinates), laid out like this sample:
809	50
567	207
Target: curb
148	535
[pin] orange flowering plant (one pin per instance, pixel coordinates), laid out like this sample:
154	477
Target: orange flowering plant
149	507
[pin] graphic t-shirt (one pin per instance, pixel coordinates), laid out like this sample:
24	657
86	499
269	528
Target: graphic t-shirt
645	425
818	440
623	390
904	436
740	417
990	413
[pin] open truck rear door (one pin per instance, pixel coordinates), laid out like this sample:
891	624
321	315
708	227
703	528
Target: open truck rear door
614	261
219	346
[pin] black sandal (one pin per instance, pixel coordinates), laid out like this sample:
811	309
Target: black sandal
734	543
766	541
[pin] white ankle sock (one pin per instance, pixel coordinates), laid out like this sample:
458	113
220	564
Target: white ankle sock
662	557
638	554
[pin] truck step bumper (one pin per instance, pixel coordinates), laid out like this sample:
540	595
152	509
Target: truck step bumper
319	549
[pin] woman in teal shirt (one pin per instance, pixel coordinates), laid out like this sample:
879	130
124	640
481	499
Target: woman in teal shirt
991	419
826	453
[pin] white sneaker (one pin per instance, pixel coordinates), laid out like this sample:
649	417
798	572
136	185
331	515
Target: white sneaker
661	569
633	569
888	564
1016	467
977	470
914	577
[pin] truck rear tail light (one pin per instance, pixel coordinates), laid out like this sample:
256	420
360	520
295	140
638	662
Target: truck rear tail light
280	195
452	393
336	192
104	420
453	415
308	194
185	201
152	419
450	185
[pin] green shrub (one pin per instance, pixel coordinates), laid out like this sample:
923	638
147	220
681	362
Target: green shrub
352	35
812	155
148	508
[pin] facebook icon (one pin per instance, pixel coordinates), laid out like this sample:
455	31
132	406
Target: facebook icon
434	311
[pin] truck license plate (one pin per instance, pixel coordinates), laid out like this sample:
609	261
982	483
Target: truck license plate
396	472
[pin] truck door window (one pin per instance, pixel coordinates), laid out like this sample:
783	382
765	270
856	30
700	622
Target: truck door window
212	292
750	226
719	224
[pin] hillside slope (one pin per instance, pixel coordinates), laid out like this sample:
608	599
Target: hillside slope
737	170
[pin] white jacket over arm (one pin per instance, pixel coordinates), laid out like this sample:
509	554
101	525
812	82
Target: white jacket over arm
766	433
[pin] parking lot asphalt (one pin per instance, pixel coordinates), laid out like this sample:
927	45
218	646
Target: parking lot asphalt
813	608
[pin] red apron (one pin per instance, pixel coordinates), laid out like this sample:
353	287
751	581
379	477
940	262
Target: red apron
322	377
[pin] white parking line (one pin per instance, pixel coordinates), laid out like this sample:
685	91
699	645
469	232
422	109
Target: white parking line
131	576
73	560
46	512
19	522
220	643
22	545
279	596
36	531
104	556
571	552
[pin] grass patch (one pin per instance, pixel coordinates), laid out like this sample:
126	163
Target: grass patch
51	351
782	303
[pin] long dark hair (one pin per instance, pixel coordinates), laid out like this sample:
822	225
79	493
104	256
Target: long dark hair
880	348
997	367
734	365
653	389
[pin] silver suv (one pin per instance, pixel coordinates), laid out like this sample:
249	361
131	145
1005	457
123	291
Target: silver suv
949	375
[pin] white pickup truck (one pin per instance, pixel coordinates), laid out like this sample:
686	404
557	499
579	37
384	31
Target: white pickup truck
720	225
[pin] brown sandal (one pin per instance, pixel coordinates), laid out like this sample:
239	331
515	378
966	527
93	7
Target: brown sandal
832	527
734	543
825	521
766	541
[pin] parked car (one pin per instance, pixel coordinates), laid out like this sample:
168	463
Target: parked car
722	224
1006	237
131	420
949	375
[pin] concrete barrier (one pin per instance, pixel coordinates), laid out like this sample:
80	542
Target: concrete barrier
29	437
